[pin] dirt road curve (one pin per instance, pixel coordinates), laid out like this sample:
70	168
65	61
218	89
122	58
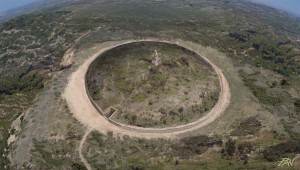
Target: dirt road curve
83	110
83	160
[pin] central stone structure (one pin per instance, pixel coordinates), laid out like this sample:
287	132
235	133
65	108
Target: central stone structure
155	58
173	87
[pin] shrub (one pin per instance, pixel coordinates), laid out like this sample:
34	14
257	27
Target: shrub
21	79
247	127
282	150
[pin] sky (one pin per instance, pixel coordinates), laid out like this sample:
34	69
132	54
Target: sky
292	6
9	4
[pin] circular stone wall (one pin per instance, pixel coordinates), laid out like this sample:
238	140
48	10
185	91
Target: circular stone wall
152	84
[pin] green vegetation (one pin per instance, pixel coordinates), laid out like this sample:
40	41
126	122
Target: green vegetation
297	105
40	33
31	46
64	151
284	150
108	152
10	111
22	79
288	149
250	126
195	145
258	91
147	95
140	97
17	91
265	50
229	149
249	34
3	143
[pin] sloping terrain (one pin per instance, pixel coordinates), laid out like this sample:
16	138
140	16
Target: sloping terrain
256	47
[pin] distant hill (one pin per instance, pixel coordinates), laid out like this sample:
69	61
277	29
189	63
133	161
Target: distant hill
29	8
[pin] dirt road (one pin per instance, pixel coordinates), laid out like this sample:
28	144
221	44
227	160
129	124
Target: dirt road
83	160
84	111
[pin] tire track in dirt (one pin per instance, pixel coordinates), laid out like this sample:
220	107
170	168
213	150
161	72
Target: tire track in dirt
82	158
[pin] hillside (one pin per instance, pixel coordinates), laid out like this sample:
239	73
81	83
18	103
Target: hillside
256	47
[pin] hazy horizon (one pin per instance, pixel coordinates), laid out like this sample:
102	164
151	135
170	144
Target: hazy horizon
6	5
291	6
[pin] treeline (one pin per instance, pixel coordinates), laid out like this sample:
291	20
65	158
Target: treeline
21	79
260	92
264	49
